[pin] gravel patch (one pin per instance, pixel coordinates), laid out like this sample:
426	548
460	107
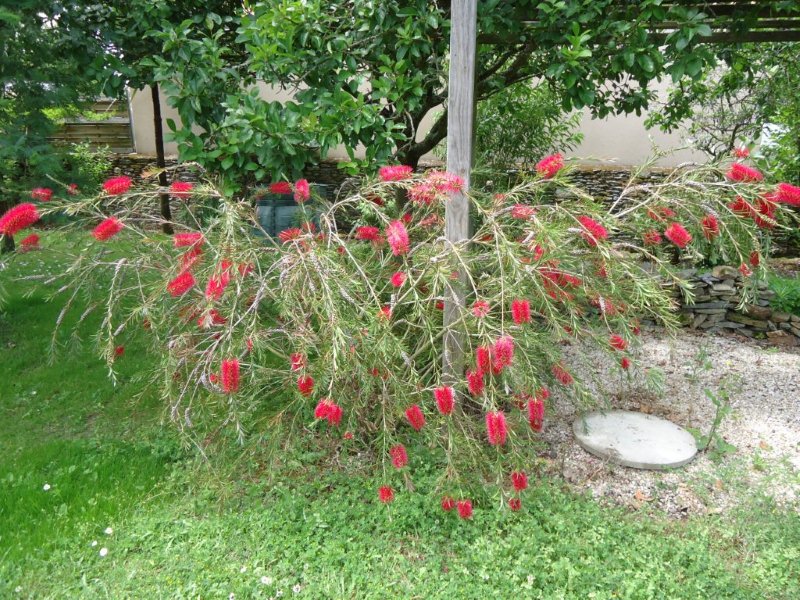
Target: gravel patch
764	424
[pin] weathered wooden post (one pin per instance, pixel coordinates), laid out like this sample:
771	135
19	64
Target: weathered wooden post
460	116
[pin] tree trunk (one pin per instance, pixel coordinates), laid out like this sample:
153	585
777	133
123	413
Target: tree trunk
166	213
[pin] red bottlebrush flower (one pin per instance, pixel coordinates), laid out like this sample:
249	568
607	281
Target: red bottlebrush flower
523	212
741	207
755	258
445	399
594	232
290	235
298	361
330	411
514	504
302	191
764	216
550	165
480	308
216	286
787	193
444	182
107	229
617	342
422	193
415	417
483	360
17	218
305	385
542	393
440	305
212	317
676	234
190	257
502	353
385	494
407	218
183	240
213	378
181	189
368	234
448	504
431	221
398	279
29	243
72	189
181	284
742	173
519	480
475	382
536	413
745	270
397	236
521	311
652	238
561	374
496	430
230	376
42	194
741	152
119	351
283	188
710	226
399	456
395	172
625	363
464	509
348	435
117	185
375	199
385	313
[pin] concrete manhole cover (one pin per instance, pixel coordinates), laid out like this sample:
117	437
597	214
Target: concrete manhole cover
633	439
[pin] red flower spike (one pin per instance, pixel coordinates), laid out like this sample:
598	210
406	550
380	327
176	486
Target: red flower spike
398	279
480	308
439	305
502	353
710	226
550	165
483	360
72	189
298	361
755	258
305	385
521	311
523	212
519	480
594	232
107	229
617	342
395	172
536	413
30	242
397	236
385	313
652	238
415	417
444	182
744	174
407	218
676	234
302	191
189	239
181	284
17	218
181	189
514	504
348	435
290	235
368	234
283	188
741	152
42	194
625	362
230	376
464	509
385	494
562	375
445	399
448	504
496	430
475	382
117	185
399	456
745	270
787	193
119	351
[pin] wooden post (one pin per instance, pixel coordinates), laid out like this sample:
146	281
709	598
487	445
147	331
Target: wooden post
460	117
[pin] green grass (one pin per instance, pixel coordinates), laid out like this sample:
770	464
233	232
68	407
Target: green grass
184	529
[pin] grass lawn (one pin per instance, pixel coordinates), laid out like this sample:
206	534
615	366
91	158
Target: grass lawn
181	528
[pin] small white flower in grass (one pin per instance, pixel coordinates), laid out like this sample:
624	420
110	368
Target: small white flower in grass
243	569
18	589
108	531
103	551
231	596
296	589
266	580
46	487
279	593
94	543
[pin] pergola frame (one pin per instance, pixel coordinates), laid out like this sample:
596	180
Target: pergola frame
730	21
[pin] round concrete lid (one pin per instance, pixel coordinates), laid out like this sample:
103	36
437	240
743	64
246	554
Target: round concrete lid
634	439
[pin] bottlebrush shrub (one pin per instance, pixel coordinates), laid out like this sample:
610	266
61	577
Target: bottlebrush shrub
315	332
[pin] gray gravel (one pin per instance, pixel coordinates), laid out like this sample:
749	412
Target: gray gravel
764	424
